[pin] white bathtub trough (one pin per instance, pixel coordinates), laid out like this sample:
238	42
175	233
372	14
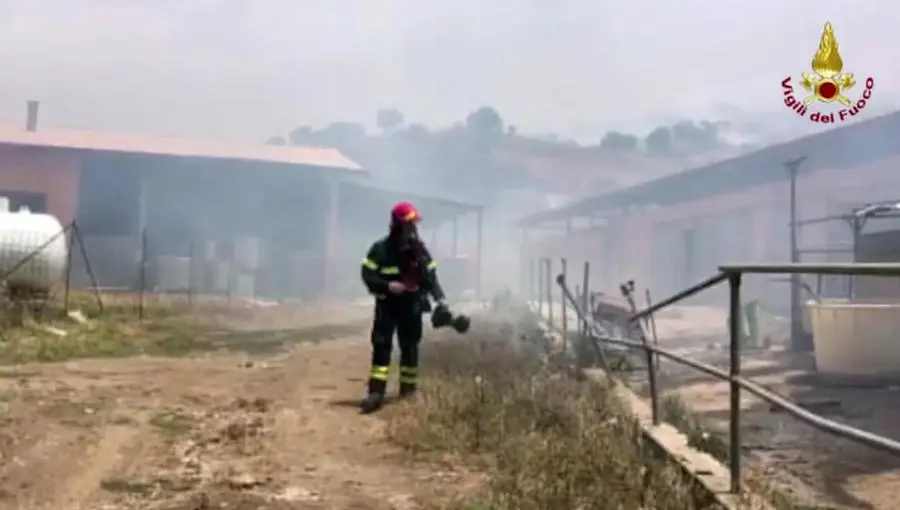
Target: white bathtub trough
856	338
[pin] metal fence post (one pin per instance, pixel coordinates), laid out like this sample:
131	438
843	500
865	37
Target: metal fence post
585	296
651	322
734	326
71	231
564	267
578	329
548	277
627	290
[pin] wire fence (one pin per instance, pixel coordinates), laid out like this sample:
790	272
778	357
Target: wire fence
540	289
138	276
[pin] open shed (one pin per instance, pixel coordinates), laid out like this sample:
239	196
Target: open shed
171	214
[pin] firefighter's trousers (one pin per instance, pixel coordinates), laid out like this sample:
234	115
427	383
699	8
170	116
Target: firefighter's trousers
404	318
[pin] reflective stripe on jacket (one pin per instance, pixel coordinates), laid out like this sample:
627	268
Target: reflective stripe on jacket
385	262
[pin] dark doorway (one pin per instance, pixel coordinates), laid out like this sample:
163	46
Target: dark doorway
35	202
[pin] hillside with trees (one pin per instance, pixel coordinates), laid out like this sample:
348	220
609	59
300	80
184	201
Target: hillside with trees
484	154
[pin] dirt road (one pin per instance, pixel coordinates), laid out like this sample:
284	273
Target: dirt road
212	432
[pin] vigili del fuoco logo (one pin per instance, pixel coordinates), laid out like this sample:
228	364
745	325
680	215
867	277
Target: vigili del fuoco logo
828	83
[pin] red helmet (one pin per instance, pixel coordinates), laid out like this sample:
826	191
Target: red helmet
405	212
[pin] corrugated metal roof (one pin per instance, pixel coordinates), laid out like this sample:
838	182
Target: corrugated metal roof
842	148
170	146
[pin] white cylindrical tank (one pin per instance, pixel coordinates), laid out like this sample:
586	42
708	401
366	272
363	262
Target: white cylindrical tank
24	234
174	273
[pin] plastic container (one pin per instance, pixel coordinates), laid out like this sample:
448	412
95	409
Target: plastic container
856	338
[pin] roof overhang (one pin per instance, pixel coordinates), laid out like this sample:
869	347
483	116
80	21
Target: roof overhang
368	202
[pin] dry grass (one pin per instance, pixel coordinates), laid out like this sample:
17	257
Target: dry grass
539	437
41	331
542	440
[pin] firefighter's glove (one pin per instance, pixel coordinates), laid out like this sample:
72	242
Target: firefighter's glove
442	317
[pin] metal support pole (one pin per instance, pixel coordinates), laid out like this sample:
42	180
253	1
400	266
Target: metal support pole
540	288
651	322
548	275
734	327
478	249
68	288
856	224
564	268
585	296
798	343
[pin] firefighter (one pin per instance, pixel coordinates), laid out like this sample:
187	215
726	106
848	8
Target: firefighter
400	273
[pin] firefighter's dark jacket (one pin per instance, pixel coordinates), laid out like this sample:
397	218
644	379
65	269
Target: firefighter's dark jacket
385	263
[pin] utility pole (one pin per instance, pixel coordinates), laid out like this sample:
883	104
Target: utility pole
798	337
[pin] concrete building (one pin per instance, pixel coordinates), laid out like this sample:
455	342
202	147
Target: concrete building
156	212
674	231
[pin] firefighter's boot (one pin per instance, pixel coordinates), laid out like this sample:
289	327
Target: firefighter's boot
375	398
408	390
408	376
372	403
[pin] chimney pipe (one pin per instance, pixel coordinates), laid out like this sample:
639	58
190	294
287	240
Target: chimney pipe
32	119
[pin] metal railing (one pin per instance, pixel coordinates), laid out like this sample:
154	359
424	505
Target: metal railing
731	273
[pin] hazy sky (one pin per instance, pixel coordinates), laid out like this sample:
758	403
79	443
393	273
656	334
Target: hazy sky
246	69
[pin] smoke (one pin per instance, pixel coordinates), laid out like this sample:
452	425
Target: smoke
451	171
512	105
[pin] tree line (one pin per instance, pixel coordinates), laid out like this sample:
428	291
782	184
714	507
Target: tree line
485	126
459	157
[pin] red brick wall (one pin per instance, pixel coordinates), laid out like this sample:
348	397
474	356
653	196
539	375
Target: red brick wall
53	172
